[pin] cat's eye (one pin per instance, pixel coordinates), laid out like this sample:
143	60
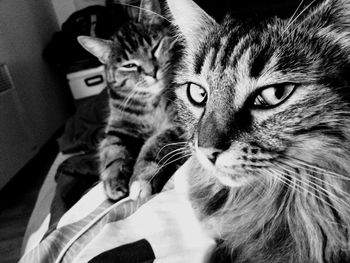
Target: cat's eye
196	94
273	95
130	66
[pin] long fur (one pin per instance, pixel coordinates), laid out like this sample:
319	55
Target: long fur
295	158
141	113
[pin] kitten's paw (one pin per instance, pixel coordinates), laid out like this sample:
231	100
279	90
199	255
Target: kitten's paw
115	179
115	189
140	189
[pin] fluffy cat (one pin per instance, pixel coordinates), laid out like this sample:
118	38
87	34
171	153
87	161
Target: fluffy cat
141	120
266	108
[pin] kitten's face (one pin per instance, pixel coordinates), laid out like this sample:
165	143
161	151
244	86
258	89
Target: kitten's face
136	58
140	58
258	99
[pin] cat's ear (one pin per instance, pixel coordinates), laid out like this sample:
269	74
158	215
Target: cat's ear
100	48
329	18
191	20
150	12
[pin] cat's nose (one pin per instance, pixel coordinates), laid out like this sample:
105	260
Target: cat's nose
213	156
211	153
212	135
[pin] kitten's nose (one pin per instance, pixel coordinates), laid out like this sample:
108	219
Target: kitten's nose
153	73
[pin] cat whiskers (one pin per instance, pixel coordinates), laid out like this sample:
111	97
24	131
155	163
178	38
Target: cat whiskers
174	152
125	102
296	17
317	187
298	187
144	9
313	177
294	14
323	170
306	187
168	162
168	145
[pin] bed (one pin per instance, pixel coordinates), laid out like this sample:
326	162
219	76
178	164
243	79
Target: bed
73	221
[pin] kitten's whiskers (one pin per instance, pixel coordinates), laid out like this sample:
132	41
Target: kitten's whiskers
127	99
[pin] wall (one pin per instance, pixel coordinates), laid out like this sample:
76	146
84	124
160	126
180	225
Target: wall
63	9
36	107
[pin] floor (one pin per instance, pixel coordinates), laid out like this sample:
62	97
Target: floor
17	200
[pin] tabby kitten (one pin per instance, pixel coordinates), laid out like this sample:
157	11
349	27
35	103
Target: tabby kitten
267	109
140	121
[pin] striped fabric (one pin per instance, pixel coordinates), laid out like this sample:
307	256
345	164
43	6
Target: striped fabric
161	228
50	248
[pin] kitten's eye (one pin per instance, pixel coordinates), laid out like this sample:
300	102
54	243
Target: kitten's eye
130	66
273	95
196	94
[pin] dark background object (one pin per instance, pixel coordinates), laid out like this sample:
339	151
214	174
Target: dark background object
252	8
65	52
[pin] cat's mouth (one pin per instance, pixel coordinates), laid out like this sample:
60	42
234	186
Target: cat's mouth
151	88
234	176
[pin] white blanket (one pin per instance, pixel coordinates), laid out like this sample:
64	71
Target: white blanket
167	222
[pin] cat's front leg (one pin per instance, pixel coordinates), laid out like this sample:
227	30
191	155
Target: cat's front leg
159	158
141	180
116	164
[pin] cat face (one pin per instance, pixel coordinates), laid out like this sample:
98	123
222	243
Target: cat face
266	101
136	58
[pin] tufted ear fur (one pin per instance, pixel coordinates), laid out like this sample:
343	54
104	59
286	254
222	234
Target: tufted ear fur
100	48
329	19
191	20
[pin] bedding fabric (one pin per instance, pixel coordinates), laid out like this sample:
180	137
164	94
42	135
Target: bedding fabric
161	228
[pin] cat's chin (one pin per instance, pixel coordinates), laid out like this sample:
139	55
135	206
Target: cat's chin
232	180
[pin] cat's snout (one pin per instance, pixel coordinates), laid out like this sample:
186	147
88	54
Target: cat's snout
152	72
213	157
155	71
210	153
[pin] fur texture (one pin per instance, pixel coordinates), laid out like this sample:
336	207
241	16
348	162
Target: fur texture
141	118
266	108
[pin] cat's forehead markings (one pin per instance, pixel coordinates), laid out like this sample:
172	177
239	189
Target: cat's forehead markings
221	53
243	89
268	75
237	50
207	65
242	66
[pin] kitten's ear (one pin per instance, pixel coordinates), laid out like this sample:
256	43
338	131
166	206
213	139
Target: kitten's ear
191	20
150	12
330	18
100	48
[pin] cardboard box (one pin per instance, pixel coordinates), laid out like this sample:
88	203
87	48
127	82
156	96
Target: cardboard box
87	82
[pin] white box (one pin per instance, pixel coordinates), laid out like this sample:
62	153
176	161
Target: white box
87	82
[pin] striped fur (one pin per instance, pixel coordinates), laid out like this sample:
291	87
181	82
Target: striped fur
271	183
141	116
